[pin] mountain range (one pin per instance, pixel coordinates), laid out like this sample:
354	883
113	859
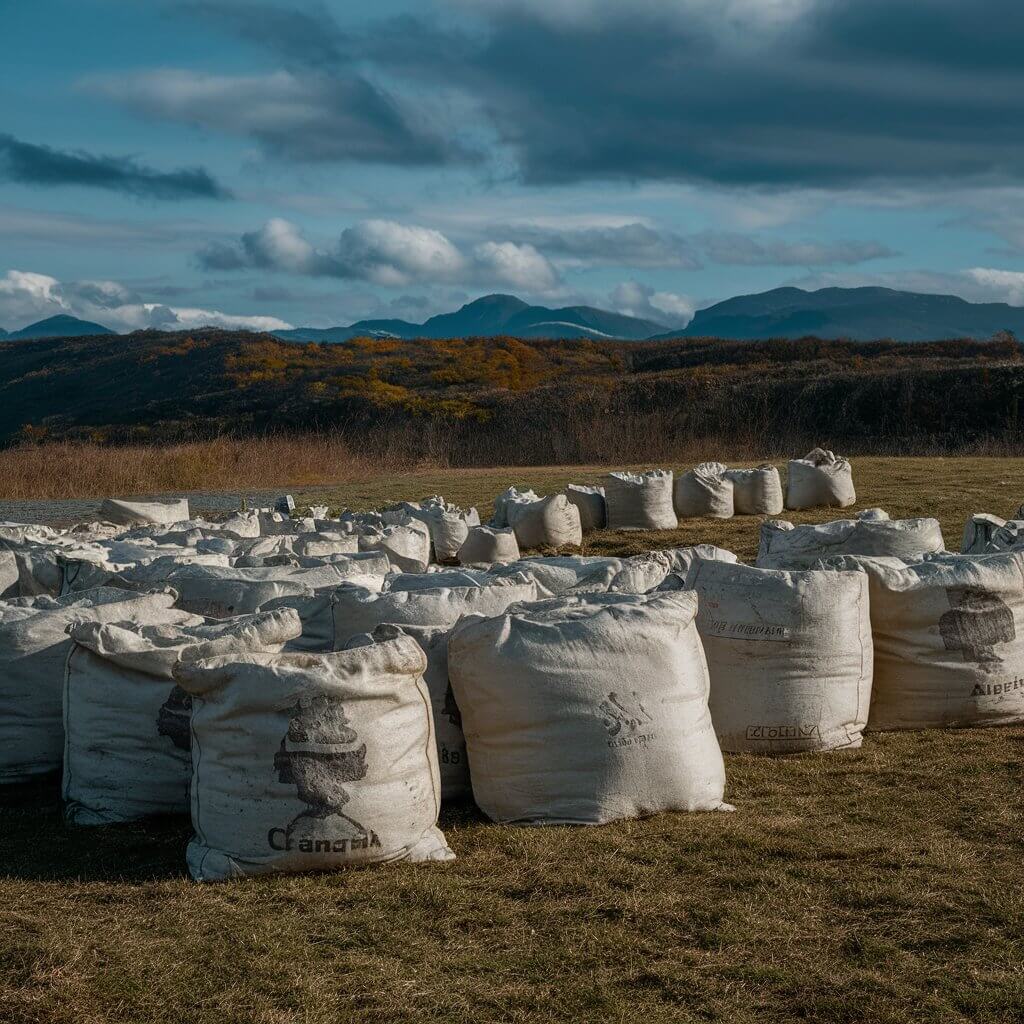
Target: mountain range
859	314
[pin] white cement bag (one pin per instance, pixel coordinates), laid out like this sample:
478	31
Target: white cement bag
590	502
127	740
512	495
949	641
448	532
33	647
9	574
549	522
785	546
705	490
587	710
398	581
311	762
820	478
451	744
130	513
486	545
639	501
407	547
756	492
558	575
789	653
358	611
679	560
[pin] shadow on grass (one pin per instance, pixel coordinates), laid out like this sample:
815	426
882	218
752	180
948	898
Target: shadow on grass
36	845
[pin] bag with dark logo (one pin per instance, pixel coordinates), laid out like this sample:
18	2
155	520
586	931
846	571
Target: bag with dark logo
311	762
949	640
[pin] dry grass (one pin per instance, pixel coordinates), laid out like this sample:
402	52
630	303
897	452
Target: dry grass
885	884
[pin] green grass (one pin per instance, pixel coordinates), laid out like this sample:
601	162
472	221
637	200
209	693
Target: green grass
882	885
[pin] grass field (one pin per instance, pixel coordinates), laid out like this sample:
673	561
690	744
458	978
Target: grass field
882	885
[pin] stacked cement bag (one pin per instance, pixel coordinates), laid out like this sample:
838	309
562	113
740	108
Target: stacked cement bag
407	546
640	501
449	531
33	647
358	611
133	513
548	522
789	654
127	738
949	640
451	744
311	762
220	593
590	501
705	490
587	710
989	535
485	545
785	546
756	492
820	478
558	575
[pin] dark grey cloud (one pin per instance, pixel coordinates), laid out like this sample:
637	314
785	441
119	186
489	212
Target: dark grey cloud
635	245
30	164
732	249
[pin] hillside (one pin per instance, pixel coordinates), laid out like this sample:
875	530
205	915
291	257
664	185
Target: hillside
861	314
61	326
506	399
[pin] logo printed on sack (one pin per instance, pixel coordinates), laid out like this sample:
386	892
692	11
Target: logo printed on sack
318	756
977	622
624	717
747	630
174	719
451	709
781	732
998	689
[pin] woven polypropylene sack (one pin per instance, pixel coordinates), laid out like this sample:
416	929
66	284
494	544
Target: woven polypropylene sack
789	653
311	762
639	501
820	479
757	492
586	710
705	490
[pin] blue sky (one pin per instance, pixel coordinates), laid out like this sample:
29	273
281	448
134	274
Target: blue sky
265	163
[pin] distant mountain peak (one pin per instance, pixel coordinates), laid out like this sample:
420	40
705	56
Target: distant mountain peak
59	326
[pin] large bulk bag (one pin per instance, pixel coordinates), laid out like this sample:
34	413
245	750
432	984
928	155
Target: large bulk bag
556	575
587	709
311	762
9	574
125	512
407	546
639	501
989	535
549	522
222	592
679	560
511	495
449	531
127	740
359	611
785	546
756	492
949	640
33	647
451	744
820	478
590	502
431	580
705	490
789	654
486	545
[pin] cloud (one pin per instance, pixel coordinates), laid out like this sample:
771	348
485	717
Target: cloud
634	244
26	297
767	93
29	164
733	249
386	253
640	300
309	115
1007	284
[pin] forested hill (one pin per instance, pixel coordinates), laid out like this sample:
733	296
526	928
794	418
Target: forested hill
160	386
